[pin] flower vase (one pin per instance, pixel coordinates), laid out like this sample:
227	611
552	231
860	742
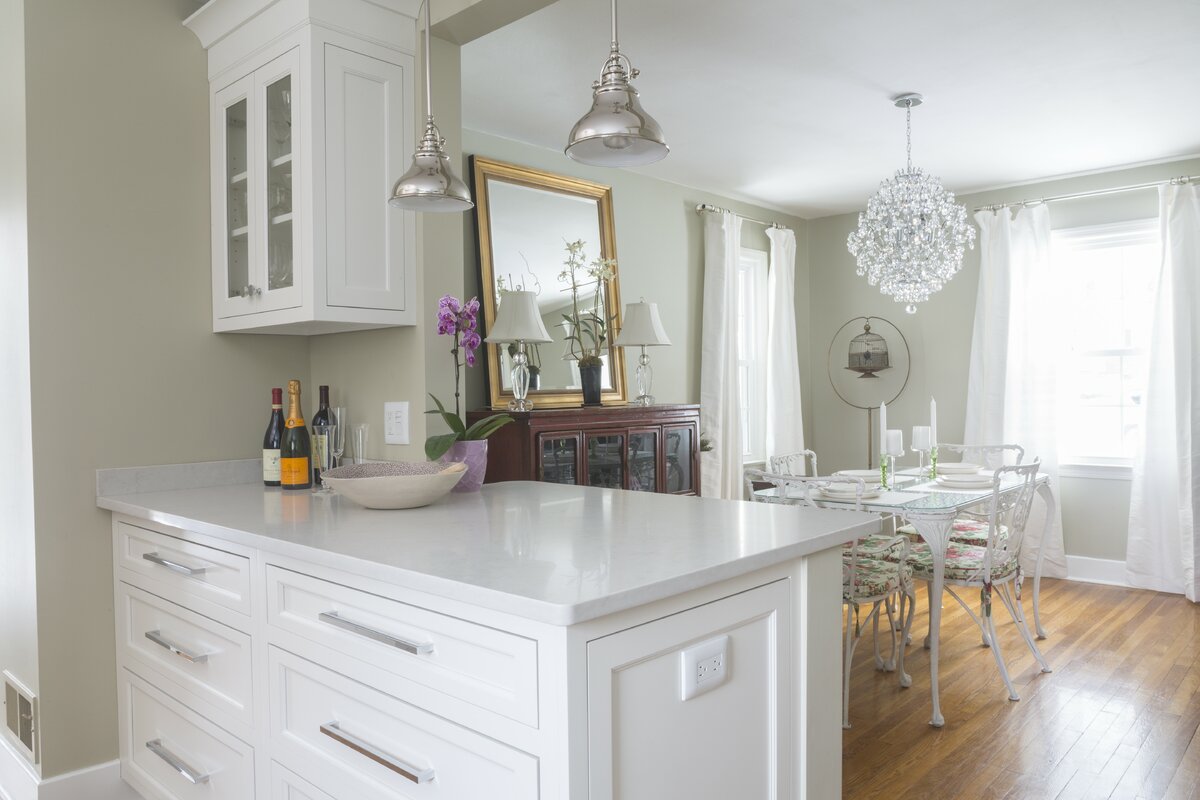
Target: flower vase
473	453
589	376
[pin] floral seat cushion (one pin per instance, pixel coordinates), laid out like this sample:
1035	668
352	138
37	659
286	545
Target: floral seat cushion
965	531
873	546
872	578
964	562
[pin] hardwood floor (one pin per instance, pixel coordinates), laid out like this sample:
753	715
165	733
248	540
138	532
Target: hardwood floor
1117	718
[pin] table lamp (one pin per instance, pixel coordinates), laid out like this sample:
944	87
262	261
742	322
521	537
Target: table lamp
642	328
518	322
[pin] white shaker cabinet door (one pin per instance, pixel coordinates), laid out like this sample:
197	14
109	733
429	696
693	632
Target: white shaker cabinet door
730	741
368	145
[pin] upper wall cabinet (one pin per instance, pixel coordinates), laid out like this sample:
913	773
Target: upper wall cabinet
312	121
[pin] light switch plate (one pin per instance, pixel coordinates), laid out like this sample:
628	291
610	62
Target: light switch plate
704	667
395	422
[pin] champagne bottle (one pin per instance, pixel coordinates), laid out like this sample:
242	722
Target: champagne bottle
322	417
295	448
272	439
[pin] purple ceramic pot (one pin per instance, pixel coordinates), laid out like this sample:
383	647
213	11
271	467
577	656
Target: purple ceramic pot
474	455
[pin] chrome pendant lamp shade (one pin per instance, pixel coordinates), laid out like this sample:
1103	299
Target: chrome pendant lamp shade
617	131
430	183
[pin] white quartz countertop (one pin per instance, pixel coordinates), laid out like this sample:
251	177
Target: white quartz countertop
552	553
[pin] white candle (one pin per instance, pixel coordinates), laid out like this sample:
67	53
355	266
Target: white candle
921	437
895	443
882	429
933	421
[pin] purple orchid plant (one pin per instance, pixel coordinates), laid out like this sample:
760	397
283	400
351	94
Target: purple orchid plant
460	321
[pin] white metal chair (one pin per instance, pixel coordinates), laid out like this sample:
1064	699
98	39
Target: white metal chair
994	567
874	571
794	464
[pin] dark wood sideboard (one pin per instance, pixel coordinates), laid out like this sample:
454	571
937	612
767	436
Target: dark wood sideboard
642	448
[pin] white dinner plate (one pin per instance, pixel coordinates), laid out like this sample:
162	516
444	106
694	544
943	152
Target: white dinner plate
958	468
956	482
868	474
837	494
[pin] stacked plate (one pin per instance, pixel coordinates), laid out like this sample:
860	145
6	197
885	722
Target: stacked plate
958	468
849	491
979	481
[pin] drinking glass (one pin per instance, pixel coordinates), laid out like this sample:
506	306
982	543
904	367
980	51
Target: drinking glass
361	432
323	455
337	437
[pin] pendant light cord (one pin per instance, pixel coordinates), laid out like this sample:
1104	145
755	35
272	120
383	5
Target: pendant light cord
908	129
428	80
615	46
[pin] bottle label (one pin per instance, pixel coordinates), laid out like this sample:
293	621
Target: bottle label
318	450
295	471
271	465
294	422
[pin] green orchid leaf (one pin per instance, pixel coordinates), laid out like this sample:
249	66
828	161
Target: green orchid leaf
452	420
487	426
436	446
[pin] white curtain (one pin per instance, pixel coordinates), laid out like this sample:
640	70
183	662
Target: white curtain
1011	391
784	424
1163	544
720	392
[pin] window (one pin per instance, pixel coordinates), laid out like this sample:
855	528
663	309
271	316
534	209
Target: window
1107	277
752	367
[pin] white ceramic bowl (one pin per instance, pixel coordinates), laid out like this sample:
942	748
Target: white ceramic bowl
397	484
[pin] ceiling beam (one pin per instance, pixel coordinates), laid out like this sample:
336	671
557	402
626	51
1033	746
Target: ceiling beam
462	21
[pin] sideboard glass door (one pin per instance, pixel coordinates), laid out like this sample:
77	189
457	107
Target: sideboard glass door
680	456
643	461
558	458
606	460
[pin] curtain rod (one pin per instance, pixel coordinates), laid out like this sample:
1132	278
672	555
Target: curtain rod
1095	193
706	207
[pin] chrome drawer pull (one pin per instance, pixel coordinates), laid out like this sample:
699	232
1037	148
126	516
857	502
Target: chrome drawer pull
175	762
185	654
174	566
416	648
414	774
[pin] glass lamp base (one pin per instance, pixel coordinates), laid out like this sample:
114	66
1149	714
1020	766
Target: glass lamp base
521	404
643	400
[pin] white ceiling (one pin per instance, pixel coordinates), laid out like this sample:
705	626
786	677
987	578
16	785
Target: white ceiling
787	102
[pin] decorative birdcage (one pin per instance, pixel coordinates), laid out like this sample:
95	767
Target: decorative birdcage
868	353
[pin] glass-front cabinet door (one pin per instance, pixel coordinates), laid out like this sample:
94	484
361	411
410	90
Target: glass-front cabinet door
642	458
255	142
558	458
606	460
680	458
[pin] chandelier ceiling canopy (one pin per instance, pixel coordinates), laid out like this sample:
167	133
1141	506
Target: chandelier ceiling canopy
910	240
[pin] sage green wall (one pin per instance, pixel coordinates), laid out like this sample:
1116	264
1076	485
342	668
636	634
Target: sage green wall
660	247
125	367
18	588
1095	512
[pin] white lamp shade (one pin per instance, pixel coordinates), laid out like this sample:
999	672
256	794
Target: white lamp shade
642	327
518	320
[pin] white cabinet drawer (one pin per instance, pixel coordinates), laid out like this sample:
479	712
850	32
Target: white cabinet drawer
483	666
287	785
211	660
370	746
196	569
175	752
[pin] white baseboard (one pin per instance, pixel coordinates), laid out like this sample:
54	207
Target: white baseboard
1096	570
99	782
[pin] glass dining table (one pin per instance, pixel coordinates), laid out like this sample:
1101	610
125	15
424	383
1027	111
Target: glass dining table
934	508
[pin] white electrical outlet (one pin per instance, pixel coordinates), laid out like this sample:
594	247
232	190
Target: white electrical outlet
704	667
395	422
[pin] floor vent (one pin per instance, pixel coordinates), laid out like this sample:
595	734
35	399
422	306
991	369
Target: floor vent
20	716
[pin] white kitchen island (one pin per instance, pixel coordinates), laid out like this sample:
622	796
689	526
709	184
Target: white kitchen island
527	641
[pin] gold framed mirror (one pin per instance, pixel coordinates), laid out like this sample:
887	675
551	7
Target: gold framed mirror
525	218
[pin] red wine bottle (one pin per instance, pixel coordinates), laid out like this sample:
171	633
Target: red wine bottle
272	438
319	443
295	448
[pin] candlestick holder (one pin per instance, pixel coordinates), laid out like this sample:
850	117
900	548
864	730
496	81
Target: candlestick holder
933	463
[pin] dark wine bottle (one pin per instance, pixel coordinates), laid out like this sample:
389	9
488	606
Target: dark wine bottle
272	439
295	448
323	417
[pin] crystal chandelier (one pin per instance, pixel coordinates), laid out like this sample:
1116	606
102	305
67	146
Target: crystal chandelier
911	238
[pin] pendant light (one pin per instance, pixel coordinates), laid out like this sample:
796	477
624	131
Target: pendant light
910	240
616	132
430	183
